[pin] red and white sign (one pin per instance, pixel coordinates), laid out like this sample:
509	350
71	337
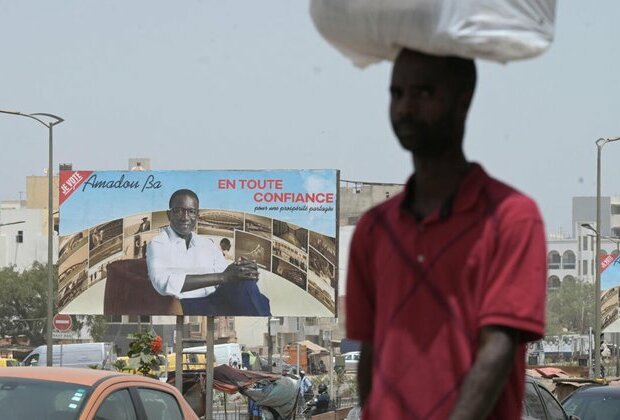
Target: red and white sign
69	182
62	322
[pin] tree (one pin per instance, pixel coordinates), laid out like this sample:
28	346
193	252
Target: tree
97	326
23	302
570	309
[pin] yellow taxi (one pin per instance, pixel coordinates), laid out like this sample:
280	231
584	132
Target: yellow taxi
8	362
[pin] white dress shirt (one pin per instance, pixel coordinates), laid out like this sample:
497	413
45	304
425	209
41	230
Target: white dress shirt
169	260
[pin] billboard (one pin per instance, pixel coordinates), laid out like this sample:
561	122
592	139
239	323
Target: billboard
222	243
610	282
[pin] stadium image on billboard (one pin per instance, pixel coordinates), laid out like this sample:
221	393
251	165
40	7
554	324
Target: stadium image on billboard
221	243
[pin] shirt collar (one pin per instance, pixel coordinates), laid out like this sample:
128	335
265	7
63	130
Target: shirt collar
461	200
175	238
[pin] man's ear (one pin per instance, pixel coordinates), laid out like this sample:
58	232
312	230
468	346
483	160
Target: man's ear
168	214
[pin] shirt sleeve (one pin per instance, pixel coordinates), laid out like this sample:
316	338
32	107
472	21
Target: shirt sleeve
219	262
515	294
165	280
360	296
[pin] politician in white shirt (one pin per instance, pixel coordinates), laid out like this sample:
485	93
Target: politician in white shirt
192	268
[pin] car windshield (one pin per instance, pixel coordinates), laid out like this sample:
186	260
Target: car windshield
37	399
593	406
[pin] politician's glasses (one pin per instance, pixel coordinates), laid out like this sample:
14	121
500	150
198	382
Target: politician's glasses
181	211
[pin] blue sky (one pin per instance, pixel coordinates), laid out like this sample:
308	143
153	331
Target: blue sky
204	84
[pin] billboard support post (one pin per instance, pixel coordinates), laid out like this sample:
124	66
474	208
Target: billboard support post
178	350
269	346
210	359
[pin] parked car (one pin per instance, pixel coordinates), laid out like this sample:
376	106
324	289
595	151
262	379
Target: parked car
594	402
57	393
351	360
8	362
540	404
98	355
225	354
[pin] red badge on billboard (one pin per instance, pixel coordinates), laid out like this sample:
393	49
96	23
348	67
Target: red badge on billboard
62	322
70	181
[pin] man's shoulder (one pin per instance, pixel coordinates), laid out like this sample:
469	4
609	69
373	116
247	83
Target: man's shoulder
382	211
509	202
161	238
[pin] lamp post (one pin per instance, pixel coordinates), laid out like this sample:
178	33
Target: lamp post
597	282
50	217
615	240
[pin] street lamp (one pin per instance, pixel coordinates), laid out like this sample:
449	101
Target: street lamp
615	240
50	217
597	282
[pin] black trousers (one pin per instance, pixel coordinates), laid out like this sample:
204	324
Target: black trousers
239	298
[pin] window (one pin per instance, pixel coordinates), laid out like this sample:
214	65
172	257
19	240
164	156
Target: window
32	360
553	260
553	407
553	283
533	405
568	280
117	406
159	404
568	260
22	398
114	318
585	243
584	264
144	319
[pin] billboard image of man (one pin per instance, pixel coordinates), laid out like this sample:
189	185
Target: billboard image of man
193	269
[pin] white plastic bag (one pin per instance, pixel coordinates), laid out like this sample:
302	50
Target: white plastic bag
368	31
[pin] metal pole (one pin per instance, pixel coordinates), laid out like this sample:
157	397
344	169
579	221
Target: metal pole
50	244
331	369
617	342
50	220
597	285
590	347
209	371
178	351
269	346
597	280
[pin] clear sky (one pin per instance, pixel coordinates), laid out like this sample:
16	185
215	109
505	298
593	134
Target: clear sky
252	85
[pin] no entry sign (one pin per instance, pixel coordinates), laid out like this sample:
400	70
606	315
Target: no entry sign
62	322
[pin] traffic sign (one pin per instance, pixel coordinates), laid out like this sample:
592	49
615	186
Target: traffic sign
64	335
62	322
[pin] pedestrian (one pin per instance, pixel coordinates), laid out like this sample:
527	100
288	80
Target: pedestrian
446	280
305	387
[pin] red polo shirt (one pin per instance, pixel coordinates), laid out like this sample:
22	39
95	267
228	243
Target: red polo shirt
421	291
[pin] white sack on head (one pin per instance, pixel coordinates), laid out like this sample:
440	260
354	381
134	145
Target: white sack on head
369	31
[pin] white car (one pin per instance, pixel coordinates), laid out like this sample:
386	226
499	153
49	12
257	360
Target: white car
351	360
